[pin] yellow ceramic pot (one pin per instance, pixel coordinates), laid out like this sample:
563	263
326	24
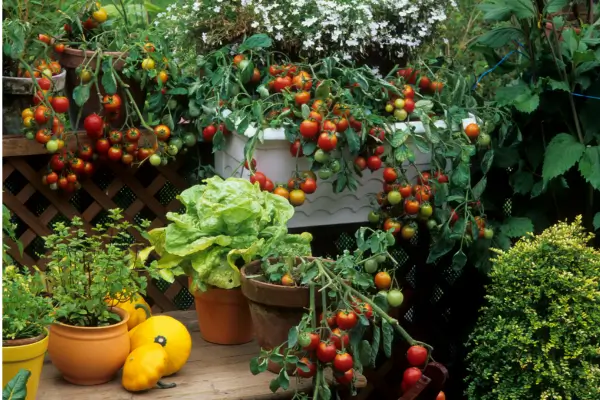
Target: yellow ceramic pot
24	354
89	356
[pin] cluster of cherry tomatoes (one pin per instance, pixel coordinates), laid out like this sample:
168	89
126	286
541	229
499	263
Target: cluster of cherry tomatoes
402	204
330	347
417	357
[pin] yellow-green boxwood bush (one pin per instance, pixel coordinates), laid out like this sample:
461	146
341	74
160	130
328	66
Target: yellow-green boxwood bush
538	337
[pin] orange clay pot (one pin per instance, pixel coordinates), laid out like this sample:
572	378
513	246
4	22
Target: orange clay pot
89	356
223	316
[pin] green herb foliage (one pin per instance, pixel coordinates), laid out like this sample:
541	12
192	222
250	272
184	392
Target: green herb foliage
85	268
25	312
225	220
537	337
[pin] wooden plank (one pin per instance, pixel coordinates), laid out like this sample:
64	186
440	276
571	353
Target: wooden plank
213	372
159	297
7	170
170	172
25	193
18	145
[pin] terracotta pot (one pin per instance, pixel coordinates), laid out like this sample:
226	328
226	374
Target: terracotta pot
89	356
24	354
71	59
17	94
223	316
274	308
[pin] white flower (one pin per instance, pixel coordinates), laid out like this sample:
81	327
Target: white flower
254	24
309	22
279	36
217	9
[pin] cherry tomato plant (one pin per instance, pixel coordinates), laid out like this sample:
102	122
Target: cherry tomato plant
354	302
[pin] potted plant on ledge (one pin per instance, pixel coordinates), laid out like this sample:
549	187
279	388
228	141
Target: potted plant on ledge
89	340
224	221
26	314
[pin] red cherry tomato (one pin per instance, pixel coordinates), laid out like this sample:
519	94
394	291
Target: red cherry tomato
326	352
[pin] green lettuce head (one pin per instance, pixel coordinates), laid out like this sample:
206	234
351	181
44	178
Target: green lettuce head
224	221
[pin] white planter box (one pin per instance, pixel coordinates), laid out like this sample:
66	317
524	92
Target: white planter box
324	207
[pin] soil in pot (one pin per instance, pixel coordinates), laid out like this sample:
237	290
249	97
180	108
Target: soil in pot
223	316
274	308
24	354
89	355
71	59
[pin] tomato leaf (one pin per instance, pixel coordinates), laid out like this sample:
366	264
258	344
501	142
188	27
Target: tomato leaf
353	141
323	90
109	83
487	161
284	379
515	227
293	336
479	188
589	166
274	384
178	91
388	338
441	246
257	110
460	176
401	154
399	137
325	392
308	148
459	260
364	352
381	301
16	388
302	366
562	153
254	366
257	41
374	345
194	110
246	73
243	125
597	221
81	94
522	182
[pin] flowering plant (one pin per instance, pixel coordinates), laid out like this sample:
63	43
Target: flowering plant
314	28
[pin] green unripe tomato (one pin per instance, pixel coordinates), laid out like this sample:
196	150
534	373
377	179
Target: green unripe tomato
52	146
381	258
172	150
399	103
335	166
324	173
371	266
155	160
373	217
321	156
304	339
177	142
190	140
395	298
488	233
394	197
400	115
172	104
30	135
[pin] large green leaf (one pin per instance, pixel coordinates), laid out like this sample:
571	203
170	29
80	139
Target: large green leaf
500	36
597	221
589	166
562	153
503	10
257	41
16	388
515	227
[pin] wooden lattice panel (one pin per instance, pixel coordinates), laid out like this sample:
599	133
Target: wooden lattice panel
143	193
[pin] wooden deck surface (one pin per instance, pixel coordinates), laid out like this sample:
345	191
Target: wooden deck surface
213	372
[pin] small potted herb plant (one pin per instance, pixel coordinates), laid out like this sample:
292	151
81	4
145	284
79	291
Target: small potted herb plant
337	306
89	341
26	314
224	221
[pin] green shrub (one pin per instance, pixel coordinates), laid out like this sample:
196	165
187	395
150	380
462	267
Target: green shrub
538	337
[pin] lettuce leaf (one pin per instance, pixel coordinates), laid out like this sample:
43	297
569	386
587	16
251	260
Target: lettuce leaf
225	220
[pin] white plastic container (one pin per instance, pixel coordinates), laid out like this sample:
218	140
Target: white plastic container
324	207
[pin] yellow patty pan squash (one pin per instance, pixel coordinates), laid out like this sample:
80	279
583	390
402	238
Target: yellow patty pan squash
136	316
168	332
144	368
